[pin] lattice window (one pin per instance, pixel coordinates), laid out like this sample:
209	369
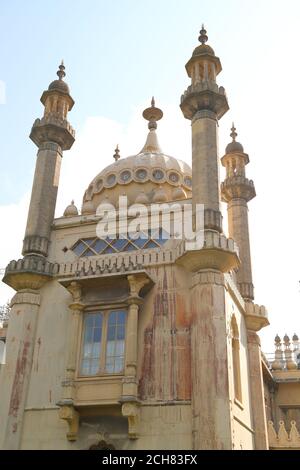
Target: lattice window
96	246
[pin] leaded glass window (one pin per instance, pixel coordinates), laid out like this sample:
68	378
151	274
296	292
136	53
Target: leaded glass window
96	246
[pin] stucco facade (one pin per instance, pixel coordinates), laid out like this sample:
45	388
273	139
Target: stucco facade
189	372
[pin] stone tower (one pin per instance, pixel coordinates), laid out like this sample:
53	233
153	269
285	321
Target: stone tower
237	191
52	134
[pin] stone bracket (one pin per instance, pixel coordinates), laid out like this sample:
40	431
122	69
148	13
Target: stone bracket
131	411
69	414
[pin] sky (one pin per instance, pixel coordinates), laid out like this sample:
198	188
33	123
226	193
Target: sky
117	56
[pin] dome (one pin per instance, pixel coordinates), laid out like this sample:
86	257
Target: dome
150	176
234	147
71	210
203	49
59	85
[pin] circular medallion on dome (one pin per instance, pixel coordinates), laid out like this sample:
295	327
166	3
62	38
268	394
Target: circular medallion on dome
141	174
158	175
188	181
173	177
111	179
125	176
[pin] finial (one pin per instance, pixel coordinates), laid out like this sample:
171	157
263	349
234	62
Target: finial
203	38
117	153
61	72
72	202
233	132
152	115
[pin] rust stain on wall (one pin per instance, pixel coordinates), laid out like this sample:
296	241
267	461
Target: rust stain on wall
165	373
19	377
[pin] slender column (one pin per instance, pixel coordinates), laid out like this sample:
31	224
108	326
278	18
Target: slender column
257	392
205	166
209	362
77	308
43	199
67	410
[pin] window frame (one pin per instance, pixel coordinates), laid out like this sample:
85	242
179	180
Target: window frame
105	311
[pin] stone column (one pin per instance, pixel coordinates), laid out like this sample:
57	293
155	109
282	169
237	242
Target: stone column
130	402
16	373
67	410
257	392
43	196
209	362
238	229
205	166
256	318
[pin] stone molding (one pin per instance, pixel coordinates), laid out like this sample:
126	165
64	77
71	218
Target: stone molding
237	187
32	298
36	245
283	439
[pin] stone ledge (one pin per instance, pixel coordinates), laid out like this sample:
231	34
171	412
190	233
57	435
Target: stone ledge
256	316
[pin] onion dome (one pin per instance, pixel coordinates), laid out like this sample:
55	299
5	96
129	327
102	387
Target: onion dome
71	210
59	84
277	339
144	175
178	193
295	337
234	146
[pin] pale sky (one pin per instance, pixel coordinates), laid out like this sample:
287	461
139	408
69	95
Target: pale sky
117	55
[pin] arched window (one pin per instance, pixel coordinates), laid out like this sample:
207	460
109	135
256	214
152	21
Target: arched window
235	349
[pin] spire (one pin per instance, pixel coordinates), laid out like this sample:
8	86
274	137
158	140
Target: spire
152	115
203	38
117	153
233	133
61	71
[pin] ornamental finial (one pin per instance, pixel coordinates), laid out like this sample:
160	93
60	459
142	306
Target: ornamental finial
61	72
152	115
233	132
117	153
203	38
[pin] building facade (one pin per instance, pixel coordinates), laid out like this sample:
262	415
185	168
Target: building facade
144	342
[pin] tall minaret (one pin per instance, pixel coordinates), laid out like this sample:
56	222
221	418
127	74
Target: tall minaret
52	134
204	103
237	190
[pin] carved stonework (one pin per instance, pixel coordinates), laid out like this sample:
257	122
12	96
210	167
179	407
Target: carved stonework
75	289
69	414
32	298
283	439
132	412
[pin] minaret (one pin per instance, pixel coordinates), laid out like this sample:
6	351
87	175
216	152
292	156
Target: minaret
237	191
52	134
204	103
